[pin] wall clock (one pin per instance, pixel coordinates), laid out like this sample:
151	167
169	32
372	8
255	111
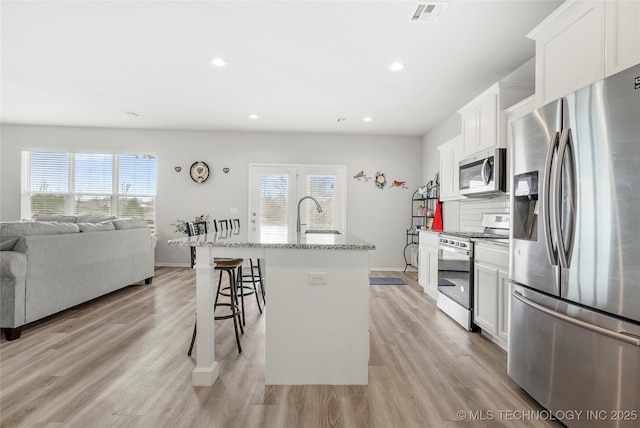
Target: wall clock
199	172
381	180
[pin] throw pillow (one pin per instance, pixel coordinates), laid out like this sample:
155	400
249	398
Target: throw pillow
103	226
19	228
57	217
130	223
7	244
90	218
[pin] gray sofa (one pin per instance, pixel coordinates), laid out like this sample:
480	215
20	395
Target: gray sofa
50	266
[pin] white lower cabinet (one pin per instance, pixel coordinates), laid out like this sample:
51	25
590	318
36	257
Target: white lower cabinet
491	291
428	265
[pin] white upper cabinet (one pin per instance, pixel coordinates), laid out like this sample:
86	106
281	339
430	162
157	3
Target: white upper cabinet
450	155
622	37
584	41
483	120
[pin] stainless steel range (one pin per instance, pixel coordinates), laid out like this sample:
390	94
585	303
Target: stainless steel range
455	267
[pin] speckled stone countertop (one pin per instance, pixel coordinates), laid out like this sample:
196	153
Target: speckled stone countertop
239	238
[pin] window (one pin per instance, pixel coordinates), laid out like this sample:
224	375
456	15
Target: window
123	185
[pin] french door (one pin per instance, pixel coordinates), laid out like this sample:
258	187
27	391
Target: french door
275	190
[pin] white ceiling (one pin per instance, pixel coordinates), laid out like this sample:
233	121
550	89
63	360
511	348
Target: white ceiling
298	65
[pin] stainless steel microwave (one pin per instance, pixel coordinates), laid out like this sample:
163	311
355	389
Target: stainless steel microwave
484	173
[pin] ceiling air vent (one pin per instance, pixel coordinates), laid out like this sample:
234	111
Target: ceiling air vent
428	11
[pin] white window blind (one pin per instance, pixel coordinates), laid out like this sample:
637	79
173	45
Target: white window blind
322	188
89	183
137	186
93	183
48	182
274	206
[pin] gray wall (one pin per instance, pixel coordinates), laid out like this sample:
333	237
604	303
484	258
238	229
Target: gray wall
378	216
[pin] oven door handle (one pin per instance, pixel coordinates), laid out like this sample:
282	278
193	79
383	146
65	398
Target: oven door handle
455	250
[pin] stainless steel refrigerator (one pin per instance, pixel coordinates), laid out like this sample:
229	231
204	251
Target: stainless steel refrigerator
574	338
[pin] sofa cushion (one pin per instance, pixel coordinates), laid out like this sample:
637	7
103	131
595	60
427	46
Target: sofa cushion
7	244
26	228
103	226
91	218
130	223
57	217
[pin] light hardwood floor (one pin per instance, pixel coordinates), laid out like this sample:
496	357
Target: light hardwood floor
120	361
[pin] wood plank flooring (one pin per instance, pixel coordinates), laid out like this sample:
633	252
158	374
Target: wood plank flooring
120	361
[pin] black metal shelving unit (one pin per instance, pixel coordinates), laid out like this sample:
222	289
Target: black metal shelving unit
419	220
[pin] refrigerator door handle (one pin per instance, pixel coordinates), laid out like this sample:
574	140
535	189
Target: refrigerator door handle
623	337
564	248
546	200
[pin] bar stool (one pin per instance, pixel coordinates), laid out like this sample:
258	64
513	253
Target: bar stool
254	273
233	225
230	266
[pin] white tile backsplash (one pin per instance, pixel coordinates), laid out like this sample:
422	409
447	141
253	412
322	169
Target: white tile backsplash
471	211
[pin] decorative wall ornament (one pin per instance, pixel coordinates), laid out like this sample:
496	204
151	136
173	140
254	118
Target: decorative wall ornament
362	176
178	168
199	172
225	170
401	184
381	180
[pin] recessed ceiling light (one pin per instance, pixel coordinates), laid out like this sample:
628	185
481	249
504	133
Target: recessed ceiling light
218	62
368	119
253	116
396	66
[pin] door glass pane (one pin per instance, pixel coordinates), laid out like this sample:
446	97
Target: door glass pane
322	188
273	207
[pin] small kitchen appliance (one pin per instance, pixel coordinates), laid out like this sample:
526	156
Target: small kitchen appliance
484	174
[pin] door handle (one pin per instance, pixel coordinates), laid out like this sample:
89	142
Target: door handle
546	200
564	248
486	178
621	336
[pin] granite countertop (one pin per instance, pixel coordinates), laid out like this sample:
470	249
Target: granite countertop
239	238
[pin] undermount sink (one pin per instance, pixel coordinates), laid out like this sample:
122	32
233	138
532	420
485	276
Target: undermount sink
328	231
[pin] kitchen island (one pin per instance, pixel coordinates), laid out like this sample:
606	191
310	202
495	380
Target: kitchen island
317	317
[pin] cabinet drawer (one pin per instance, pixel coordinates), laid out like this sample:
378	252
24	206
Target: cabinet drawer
493	255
